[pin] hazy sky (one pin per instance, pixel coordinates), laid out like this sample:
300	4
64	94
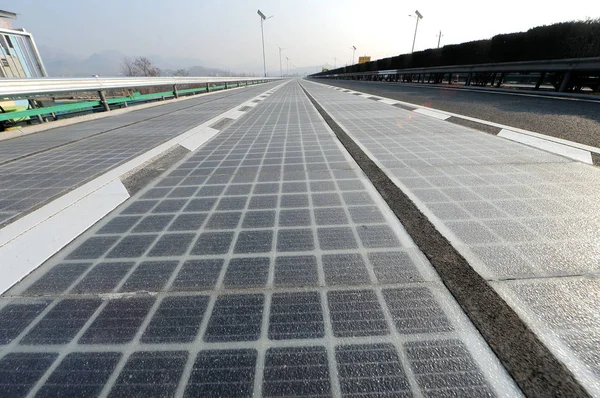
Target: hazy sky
226	33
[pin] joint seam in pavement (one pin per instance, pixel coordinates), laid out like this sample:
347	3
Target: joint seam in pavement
531	364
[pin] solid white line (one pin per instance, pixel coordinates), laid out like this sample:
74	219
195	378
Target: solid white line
560	149
432	113
25	253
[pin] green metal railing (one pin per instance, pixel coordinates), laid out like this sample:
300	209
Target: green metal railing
105	104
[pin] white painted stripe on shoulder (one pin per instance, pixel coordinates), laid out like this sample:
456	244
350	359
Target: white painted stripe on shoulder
388	101
198	138
554	147
432	113
30	249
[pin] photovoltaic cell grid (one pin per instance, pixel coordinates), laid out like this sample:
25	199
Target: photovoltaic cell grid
33	180
513	211
262	264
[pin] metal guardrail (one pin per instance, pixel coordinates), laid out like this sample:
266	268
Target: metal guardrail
31	88
564	75
10	88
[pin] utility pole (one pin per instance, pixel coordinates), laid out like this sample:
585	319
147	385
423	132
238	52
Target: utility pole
439	39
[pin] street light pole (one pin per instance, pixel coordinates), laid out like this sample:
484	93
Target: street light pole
288	66
280	68
262	32
439	39
418	16
353	51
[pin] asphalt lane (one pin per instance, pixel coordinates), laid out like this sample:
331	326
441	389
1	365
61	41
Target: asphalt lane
569	119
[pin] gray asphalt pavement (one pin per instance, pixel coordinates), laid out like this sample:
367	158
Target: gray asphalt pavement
569	119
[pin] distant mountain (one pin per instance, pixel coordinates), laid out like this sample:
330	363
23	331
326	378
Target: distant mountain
60	63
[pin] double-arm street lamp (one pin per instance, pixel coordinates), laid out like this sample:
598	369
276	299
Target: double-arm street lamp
262	20
418	16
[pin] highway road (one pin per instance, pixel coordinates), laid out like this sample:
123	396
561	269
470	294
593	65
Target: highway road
570	119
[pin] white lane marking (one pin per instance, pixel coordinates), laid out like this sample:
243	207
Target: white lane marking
198	138
554	147
544	137
26	252
432	113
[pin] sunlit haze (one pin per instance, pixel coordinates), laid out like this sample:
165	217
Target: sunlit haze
226	34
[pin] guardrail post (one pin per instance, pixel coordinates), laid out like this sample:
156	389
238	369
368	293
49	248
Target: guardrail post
175	93
468	81
40	119
103	100
540	80
499	83
226	86
564	85
208	87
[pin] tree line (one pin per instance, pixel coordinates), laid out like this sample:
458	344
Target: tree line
576	39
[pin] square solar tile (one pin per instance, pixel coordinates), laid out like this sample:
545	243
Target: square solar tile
153	223
80	374
118	322
93	248
371	370
103	278
150	374
326	199
296	316
394	267
247	272
263	202
224	220
366	215
415	310
222	373
295	240
188	222
266	188
171	245
198	275
337	238
296	371
356	313
177	320
140	207
149	276
213	243
235	318
259	219
132	246
20	371
14	318
119	225
232	203
202	204
445	367
330	216
62	322
296	200
294	218
169	206
345	269
214	190
374	236
57	279
259	241
296	271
